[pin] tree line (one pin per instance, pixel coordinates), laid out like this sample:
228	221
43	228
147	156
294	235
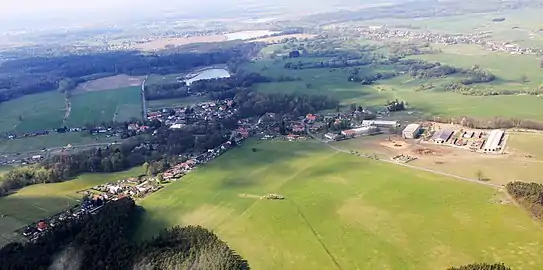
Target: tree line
494	123
529	195
105	241
31	75
481	266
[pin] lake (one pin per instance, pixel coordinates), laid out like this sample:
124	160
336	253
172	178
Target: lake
207	74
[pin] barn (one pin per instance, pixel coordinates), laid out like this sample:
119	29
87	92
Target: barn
411	131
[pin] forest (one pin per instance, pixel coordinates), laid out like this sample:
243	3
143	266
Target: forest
105	241
39	74
529	195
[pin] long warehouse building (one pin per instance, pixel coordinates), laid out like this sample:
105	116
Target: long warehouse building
494	140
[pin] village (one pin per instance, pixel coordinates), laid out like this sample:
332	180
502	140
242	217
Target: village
383	33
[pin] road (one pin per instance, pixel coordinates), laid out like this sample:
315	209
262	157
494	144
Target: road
473	180
143	100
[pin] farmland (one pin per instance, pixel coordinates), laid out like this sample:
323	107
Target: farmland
174	102
32	112
334	82
108	83
345	212
164	43
104	106
39	201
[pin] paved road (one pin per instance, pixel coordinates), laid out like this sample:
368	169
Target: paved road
143	100
411	166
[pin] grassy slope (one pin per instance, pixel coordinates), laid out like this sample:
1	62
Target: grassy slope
101	106
359	213
39	112
50	141
39	201
326	81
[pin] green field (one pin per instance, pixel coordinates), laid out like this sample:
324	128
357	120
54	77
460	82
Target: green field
39	201
30	113
52	140
174	102
344	212
104	106
334	82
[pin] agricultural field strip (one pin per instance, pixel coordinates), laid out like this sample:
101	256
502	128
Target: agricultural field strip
413	167
313	231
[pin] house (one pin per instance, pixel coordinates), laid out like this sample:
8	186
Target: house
176	126
41	226
331	136
442	136
411	131
311	117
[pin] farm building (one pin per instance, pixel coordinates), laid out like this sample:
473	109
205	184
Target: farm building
411	131
331	136
379	123
493	143
442	136
361	131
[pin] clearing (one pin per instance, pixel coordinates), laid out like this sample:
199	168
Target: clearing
43	200
110	83
344	212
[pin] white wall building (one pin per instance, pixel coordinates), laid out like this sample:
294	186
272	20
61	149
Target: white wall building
493	143
379	123
411	131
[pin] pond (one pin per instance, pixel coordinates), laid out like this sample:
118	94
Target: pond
207	74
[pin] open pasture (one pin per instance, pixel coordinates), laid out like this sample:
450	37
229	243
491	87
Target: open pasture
110	83
344	212
32	113
174	102
105	106
334	82
43	200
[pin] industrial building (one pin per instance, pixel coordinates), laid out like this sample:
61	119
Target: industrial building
411	131
361	131
442	135
493	143
380	123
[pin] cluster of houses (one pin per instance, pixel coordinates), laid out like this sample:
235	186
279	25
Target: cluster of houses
137	187
382	33
176	118
88	206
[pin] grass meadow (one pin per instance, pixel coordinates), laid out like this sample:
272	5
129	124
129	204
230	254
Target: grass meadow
43	200
104	106
32	112
174	102
334	82
343	212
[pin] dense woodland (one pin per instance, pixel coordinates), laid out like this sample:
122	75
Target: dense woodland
39	74
105	241
482	266
529	195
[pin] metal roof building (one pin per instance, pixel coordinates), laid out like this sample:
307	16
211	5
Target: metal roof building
411	131
379	123
492	144
442	136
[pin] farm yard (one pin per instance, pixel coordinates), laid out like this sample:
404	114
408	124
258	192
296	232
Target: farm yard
43	200
521	160
339	210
